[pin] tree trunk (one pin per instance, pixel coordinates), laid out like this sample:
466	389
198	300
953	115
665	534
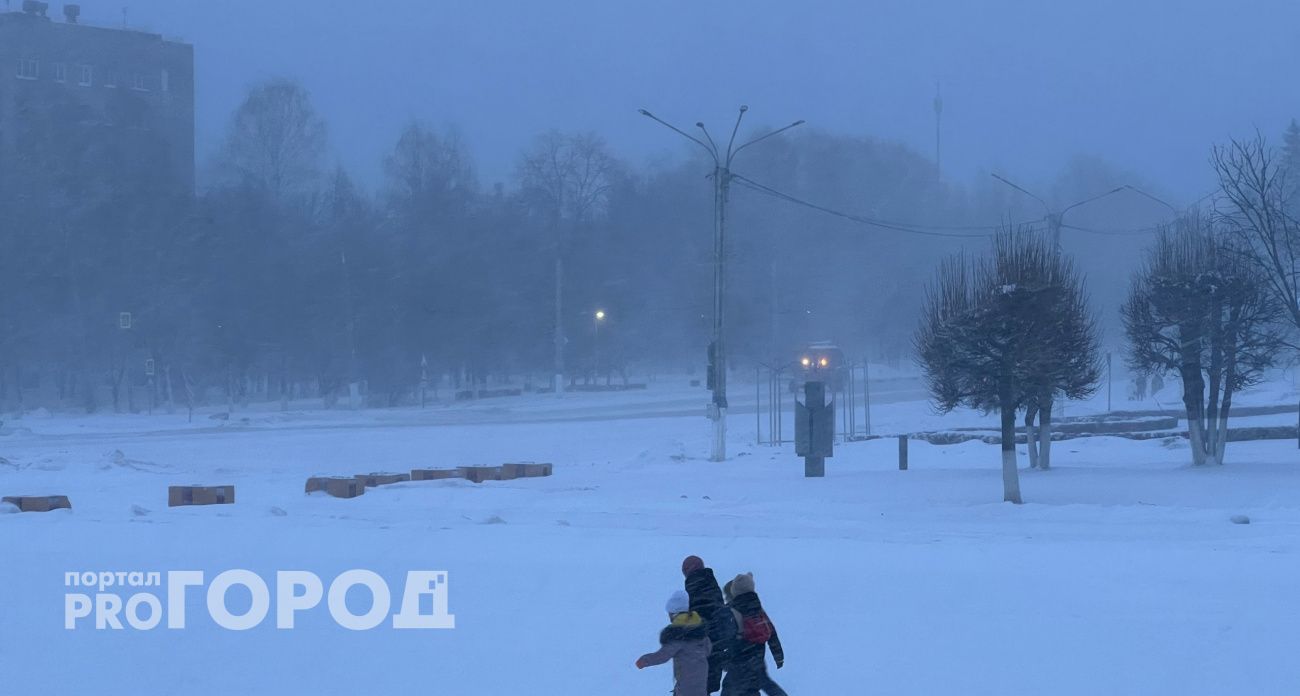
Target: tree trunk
1216	385
1196	437
88	388
1194	404
18	388
1045	434
230	389
284	384
117	389
1222	440
1010	472
167	384
188	383
1031	436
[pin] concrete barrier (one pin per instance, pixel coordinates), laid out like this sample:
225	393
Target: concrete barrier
481	474
435	474
381	479
525	470
39	503
178	496
336	486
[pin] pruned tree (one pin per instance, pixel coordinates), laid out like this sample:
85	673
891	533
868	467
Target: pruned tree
1199	309
1066	362
1260	213
996	335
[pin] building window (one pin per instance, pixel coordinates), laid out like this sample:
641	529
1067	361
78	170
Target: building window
60	72
28	69
138	82
166	81
110	78
87	76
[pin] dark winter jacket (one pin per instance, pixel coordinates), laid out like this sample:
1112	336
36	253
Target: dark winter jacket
706	600
747	606
685	641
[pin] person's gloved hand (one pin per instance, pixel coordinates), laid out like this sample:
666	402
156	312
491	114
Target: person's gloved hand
780	663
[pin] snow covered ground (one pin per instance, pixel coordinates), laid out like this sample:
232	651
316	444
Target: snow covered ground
1122	574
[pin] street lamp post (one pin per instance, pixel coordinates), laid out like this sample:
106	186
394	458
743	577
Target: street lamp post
722	160
1161	201
596	320
1055	217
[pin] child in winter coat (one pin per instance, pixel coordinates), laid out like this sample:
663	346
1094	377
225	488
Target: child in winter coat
747	674
707	601
685	641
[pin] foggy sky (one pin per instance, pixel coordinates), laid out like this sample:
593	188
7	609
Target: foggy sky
1026	85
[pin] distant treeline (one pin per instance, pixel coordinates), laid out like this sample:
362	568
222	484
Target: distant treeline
286	279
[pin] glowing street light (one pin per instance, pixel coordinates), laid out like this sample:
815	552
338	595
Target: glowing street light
596	319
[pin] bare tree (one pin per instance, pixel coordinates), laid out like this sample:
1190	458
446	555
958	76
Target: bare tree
428	174
275	142
568	179
1260	191
1200	309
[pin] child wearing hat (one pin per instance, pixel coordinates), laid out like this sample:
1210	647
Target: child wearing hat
685	641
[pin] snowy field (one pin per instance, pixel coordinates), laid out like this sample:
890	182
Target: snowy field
1122	573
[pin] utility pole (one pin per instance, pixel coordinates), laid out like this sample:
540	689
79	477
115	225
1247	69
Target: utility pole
722	160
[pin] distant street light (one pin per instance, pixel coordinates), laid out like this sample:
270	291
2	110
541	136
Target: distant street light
1054	218
596	319
1161	201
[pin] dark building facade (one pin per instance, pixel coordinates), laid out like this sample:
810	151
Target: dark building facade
92	111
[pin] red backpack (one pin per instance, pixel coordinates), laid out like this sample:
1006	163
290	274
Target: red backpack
756	629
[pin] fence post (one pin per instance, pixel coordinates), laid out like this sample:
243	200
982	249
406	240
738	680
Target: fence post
902	453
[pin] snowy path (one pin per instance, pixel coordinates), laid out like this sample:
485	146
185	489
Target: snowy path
1122	574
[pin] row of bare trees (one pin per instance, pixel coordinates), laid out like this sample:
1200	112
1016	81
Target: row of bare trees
286	278
1216	303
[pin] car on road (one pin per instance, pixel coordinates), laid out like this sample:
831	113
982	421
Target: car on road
824	361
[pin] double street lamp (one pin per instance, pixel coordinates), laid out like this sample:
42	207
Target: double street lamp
1054	217
722	160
